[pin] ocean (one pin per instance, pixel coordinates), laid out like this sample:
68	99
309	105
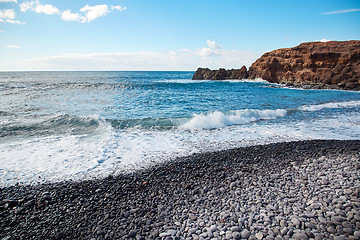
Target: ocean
57	126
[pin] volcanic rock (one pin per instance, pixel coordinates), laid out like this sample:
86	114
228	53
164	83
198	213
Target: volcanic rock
221	74
322	64
333	64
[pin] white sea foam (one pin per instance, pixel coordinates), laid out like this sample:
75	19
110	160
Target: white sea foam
104	152
110	151
348	104
186	81
218	119
256	80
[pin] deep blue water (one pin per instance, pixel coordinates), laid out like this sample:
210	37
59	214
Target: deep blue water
76	125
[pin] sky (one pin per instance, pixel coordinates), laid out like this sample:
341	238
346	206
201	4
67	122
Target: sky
163	35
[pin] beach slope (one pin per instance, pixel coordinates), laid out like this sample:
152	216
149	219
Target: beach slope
300	190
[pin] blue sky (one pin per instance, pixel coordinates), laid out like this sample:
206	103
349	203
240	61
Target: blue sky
163	34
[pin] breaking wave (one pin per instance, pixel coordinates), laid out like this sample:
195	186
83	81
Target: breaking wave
218	119
313	108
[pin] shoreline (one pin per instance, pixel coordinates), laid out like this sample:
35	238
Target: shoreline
300	190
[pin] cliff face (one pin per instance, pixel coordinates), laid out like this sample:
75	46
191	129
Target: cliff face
317	64
321	64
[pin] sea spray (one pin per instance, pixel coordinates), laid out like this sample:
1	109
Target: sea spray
317	107
218	119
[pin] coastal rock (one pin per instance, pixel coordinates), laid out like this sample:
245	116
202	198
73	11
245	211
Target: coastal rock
322	64
333	64
221	74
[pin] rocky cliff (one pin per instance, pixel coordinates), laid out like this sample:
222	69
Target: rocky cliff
331	64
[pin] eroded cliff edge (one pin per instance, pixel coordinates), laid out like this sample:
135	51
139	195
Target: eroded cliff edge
334	64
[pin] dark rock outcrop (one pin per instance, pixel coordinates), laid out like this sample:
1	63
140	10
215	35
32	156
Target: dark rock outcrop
334	64
221	74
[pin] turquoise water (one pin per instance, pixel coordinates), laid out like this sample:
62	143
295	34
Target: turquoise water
79	125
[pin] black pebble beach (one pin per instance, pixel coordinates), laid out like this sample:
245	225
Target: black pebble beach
290	190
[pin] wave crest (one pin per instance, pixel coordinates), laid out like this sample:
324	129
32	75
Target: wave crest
60	124
218	119
313	108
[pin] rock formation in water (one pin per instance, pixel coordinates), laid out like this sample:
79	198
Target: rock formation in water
221	74
331	64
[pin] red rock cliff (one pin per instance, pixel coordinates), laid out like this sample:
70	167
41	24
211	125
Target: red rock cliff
322	64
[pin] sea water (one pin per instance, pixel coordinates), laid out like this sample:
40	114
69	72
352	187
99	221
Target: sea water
58	126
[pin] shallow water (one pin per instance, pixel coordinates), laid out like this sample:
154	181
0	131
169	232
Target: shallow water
78	125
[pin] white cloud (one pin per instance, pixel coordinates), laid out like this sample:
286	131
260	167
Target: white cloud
212	44
1	30
15	1
88	13
47	9
13	46
25	6
93	12
323	40
213	49
14	21
69	16
182	59
207	52
119	8
7	13
342	11
39	8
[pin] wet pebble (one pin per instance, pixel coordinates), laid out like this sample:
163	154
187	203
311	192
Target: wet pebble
295	190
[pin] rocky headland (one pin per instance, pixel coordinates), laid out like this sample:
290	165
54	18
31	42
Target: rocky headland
334	64
258	192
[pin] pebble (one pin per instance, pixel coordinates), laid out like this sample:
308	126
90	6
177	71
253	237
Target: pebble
283	223
236	235
295	221
245	234
228	234
259	235
284	231
235	229
347	225
300	236
212	228
309	233
331	230
192	230
341	237
259	192
164	234
132	234
322	219
309	225
172	232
